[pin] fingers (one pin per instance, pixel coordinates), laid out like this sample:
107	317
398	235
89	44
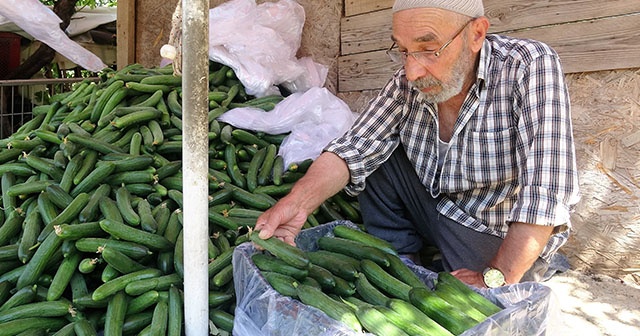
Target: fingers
262	225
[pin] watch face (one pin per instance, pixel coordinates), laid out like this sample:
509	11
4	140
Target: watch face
493	278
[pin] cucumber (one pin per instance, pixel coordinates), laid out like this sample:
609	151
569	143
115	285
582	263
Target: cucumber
217	298
90	211
160	319
323	276
248	137
142	302
83	327
134	323
161	283
343	287
87	165
383	280
120	261
37	309
109	209
289	254
264	174
111	287
17	326
125	232
269	263
28	187
339	264
346	232
410	314
222	319
101	102
281	283
21	296
123	200
254	166
452	296
11	227
376	322
88	265
138	117
39	261
17	168
222	221
220	262
354	249
368	292
223	277
115	315
253	200
94	143
95	245
176	312
445	314
62	277
314	297
471	297
31	227
402	272
93	179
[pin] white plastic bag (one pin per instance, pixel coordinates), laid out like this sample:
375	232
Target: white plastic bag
314	118
259	42
44	25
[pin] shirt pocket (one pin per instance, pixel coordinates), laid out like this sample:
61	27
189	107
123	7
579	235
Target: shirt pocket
488	158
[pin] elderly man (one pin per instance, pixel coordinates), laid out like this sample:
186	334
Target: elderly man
468	148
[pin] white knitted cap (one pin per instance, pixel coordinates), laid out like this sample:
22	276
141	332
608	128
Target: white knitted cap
472	8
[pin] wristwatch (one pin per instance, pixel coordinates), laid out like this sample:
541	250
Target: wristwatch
493	277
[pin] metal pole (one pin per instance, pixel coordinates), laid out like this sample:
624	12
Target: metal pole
195	70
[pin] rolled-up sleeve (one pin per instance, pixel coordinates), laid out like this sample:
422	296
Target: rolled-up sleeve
548	177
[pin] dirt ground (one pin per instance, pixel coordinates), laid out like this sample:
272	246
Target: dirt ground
593	305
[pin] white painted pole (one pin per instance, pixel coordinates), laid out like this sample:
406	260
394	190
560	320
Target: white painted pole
195	143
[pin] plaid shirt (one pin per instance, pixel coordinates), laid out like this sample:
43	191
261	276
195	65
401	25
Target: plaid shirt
511	157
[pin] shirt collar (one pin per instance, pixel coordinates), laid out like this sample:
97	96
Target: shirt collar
483	64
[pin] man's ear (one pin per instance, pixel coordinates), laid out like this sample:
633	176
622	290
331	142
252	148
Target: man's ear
479	28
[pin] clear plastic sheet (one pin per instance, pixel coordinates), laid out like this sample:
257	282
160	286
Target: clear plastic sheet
313	117
259	42
260	310
44	25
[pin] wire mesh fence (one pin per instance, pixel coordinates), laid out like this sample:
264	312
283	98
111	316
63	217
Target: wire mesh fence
19	97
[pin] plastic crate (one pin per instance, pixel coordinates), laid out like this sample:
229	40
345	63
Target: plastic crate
11	59
260	310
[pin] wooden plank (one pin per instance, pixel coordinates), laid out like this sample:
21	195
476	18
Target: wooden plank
367	32
355	7
518	14
604	44
126	33
365	71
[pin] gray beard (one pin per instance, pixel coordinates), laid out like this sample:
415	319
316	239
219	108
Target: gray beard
449	87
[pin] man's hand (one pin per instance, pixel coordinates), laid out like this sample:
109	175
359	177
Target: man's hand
327	175
469	277
282	221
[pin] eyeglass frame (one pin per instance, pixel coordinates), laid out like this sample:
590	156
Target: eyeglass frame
435	53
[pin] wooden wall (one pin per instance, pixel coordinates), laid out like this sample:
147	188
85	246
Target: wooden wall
587	35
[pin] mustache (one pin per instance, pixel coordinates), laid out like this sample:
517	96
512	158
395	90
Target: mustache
425	82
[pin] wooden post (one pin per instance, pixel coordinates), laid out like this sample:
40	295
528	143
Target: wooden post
126	38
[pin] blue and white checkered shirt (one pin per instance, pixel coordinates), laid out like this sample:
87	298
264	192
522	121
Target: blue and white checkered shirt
511	157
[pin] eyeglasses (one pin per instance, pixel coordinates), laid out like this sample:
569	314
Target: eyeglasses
422	57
